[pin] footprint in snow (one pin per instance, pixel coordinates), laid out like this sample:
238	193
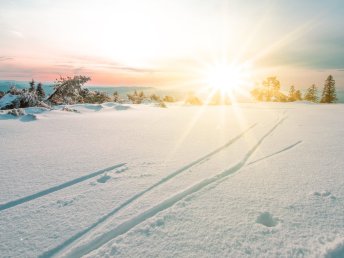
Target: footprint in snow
266	219
62	203
324	194
103	179
121	170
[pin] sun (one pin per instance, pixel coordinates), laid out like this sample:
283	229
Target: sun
227	78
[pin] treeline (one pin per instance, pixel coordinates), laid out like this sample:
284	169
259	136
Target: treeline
69	90
270	90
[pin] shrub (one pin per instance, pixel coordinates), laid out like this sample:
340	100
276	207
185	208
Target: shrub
193	100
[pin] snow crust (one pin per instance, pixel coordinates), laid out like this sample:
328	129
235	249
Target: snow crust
115	180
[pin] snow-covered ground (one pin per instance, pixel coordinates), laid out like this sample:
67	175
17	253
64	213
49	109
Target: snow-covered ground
249	180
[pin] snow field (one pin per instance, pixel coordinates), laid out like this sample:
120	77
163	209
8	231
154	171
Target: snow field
274	190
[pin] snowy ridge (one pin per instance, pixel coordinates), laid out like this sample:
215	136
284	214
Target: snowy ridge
128	225
56	188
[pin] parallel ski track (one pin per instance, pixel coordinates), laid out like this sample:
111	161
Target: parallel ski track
131	223
78	235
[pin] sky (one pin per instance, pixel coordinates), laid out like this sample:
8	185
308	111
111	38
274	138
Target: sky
171	43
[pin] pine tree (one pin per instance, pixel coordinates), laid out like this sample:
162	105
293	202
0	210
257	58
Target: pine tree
291	93
40	91
298	95
141	95
115	96
311	94
32	86
272	87
329	94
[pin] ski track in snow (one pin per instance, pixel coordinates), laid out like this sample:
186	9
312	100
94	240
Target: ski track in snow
138	195
56	188
275	153
131	223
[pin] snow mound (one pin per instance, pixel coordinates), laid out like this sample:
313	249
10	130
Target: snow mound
19	113
36	110
267	219
121	107
86	107
305	102
94	107
109	104
28	118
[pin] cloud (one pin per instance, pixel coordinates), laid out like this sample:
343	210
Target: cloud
5	58
89	62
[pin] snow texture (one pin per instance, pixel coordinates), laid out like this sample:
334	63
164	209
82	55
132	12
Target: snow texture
113	180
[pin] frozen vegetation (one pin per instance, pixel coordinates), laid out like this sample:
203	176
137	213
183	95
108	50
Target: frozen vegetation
128	180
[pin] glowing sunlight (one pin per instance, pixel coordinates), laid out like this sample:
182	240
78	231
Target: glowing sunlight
228	78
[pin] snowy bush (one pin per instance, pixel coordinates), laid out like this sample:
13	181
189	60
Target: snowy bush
193	100
155	98
169	99
28	99
94	97
136	98
16	112
162	104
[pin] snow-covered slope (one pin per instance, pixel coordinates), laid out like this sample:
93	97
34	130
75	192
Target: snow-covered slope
254	180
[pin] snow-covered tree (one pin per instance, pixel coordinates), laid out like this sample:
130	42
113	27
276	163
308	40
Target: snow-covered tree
16	98
32	86
28	99
68	90
40	91
311	94
329	94
115	96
